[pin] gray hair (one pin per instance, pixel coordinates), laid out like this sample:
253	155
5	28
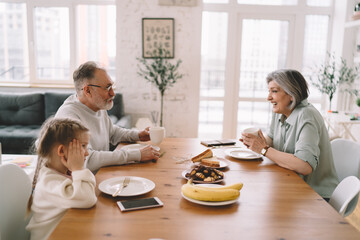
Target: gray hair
85	72
292	82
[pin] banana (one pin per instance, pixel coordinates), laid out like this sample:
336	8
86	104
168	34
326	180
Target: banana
209	194
237	186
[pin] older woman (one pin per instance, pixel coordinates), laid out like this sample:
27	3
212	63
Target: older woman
297	139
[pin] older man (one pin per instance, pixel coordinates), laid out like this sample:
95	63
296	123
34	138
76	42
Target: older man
94	95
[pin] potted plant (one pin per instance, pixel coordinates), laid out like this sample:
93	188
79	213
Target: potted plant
331	76
160	72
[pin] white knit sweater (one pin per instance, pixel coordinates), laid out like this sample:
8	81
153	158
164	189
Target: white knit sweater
102	133
54	194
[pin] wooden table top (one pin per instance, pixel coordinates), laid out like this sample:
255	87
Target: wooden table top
275	203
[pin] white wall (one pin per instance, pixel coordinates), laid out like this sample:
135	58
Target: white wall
181	105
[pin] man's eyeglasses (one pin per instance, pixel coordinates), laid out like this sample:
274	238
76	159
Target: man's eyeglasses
108	88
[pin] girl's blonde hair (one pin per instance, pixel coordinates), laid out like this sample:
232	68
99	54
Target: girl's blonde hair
53	131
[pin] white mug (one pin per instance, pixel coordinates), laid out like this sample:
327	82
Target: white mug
252	130
157	134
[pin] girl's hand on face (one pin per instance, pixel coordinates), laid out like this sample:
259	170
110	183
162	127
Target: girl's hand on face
75	157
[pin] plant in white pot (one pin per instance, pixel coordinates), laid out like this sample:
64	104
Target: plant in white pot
332	76
160	72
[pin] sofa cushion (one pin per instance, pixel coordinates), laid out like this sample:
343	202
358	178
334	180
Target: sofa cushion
21	116
53	100
118	108
22	109
17	139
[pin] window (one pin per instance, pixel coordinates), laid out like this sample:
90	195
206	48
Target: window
241	44
319	3
211	118
52	43
315	47
258	58
96	35
14	58
59	36
251	113
268	2
216	1
213	52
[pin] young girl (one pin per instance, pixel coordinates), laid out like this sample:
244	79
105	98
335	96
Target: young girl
60	180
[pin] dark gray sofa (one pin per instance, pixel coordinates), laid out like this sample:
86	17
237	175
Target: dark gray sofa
21	116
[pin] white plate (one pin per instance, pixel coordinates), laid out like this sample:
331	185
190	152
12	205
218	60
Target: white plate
138	146
137	186
209	203
242	153
223	164
198	181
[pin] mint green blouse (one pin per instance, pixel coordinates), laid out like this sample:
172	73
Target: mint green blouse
304	134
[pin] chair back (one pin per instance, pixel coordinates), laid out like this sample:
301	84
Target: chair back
346	154
15	189
346	192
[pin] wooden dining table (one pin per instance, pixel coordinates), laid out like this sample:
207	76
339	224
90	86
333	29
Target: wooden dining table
274	203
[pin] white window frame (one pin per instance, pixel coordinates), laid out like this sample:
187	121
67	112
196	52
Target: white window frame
236	13
34	81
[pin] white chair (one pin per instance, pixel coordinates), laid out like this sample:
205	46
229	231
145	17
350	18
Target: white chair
345	193
346	155
15	189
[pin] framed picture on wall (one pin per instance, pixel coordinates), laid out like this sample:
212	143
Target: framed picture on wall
158	34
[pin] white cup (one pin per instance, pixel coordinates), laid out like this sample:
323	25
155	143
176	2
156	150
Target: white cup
252	130
157	134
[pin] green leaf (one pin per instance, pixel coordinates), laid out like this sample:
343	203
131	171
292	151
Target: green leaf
333	75
159	71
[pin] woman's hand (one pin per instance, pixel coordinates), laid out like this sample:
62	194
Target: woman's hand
283	159
148	153
255	143
75	156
